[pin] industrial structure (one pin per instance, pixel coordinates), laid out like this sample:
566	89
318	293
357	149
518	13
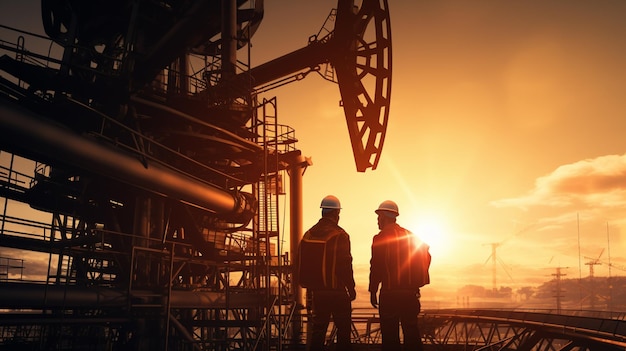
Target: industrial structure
142	173
143	163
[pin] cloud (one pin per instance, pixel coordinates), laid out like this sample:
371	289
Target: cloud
598	182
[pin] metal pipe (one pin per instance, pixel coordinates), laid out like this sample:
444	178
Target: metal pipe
39	136
295	200
40	296
296	173
229	38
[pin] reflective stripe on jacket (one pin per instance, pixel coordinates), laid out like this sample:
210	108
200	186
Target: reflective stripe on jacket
325	261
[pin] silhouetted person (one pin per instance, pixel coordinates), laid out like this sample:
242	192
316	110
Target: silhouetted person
399	264
325	270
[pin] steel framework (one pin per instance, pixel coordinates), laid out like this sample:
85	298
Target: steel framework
142	171
524	330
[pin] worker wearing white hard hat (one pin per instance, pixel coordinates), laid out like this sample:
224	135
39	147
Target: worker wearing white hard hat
325	270
388	208
330	202
399	266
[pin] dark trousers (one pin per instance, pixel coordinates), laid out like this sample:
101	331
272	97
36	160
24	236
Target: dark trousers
400	308
327	304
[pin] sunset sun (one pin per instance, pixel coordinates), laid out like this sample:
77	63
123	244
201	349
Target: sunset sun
434	230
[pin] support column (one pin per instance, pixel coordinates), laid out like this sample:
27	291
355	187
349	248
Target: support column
296	172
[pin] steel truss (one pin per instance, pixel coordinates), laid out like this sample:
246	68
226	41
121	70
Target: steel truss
523	330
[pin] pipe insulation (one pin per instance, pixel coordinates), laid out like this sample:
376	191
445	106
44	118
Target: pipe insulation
41	136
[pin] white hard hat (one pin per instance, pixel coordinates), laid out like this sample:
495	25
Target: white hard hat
331	202
388	208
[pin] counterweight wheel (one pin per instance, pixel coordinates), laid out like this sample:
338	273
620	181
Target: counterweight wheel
364	36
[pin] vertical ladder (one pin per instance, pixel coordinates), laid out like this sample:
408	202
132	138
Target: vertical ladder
276	141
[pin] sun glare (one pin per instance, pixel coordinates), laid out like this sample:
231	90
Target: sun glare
433	230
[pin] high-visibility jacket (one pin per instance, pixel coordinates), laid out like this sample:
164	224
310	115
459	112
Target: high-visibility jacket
325	261
400	260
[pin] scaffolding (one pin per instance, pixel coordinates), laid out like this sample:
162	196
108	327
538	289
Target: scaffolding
102	252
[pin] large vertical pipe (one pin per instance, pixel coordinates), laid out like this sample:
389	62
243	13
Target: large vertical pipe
296	172
229	38
295	211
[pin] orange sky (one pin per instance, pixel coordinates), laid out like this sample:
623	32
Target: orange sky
506	116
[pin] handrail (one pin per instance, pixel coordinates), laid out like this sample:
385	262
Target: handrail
606	330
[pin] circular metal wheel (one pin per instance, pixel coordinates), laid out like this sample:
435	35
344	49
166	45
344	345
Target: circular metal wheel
363	66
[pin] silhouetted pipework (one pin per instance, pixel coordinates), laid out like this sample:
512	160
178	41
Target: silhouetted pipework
152	187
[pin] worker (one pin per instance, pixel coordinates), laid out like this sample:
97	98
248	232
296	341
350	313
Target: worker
325	270
399	265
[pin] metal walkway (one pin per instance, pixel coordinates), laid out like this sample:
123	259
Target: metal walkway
503	330
524	330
